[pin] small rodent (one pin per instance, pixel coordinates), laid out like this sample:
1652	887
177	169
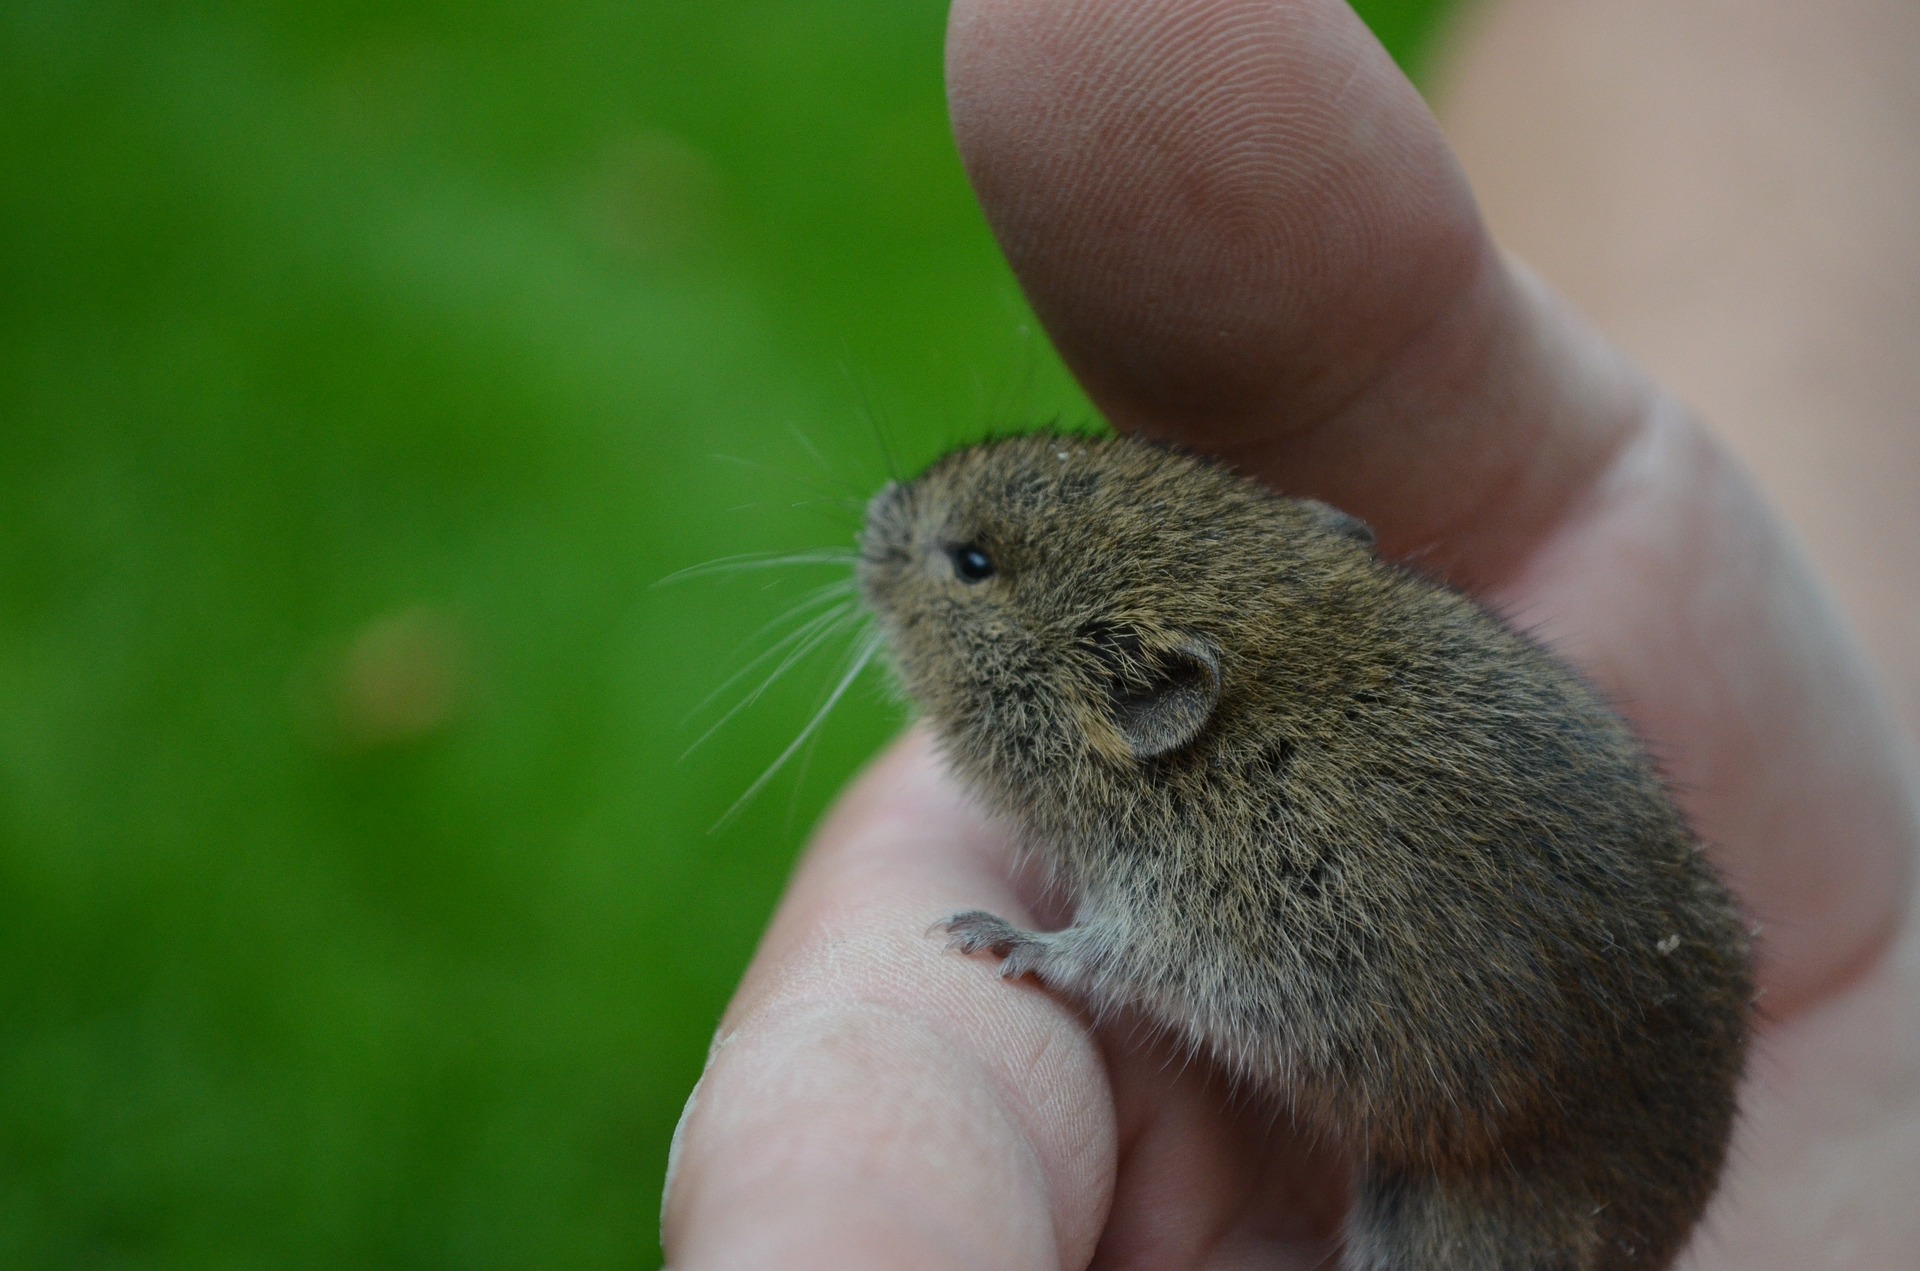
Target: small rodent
1385	858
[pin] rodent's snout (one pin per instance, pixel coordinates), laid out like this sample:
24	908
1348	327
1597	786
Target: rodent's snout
884	541
886	502
882	537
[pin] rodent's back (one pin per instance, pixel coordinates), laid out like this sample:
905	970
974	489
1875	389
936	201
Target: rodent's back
1468	875
1405	817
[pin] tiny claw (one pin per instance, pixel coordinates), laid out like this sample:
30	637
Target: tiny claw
974	930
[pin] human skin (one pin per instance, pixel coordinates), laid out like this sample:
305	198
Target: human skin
1245	233
1727	189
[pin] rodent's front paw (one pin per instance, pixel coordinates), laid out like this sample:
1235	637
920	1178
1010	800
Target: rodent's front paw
977	930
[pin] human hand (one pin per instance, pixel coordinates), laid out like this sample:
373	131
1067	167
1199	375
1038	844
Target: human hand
1244	233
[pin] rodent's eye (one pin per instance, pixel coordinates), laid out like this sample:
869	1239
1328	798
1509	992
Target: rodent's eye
970	564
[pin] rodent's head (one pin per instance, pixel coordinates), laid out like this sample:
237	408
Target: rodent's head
1054	600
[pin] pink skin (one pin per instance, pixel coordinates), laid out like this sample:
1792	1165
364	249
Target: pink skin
1244	231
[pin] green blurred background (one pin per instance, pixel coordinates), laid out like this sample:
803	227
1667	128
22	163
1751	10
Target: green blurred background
361	368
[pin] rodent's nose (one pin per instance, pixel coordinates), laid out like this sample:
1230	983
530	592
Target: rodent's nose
885	506
884	530
886	501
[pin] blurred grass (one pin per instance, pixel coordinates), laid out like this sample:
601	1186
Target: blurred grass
360	367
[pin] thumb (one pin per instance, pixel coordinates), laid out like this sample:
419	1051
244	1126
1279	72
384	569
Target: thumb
1245	233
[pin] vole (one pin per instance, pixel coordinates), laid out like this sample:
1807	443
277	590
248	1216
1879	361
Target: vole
1385	858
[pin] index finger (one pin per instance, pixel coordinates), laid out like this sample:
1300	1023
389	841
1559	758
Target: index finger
870	1097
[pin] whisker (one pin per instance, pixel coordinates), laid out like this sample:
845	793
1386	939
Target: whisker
844	494
817	631
833	590
844	504
806	756
847	488
868	647
763	560
824	592
873	419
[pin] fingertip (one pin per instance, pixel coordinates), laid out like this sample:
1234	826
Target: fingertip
1224	211
847	1135
873	1100
841	1130
1246	234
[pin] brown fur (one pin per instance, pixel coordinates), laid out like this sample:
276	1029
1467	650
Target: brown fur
1382	856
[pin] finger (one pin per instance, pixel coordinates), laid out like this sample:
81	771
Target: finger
1244	232
875	1101
1211	1174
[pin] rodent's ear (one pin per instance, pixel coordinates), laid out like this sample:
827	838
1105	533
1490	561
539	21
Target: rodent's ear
1173	698
1334	521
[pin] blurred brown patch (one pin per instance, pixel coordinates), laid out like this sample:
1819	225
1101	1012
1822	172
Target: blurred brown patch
653	195
400	679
